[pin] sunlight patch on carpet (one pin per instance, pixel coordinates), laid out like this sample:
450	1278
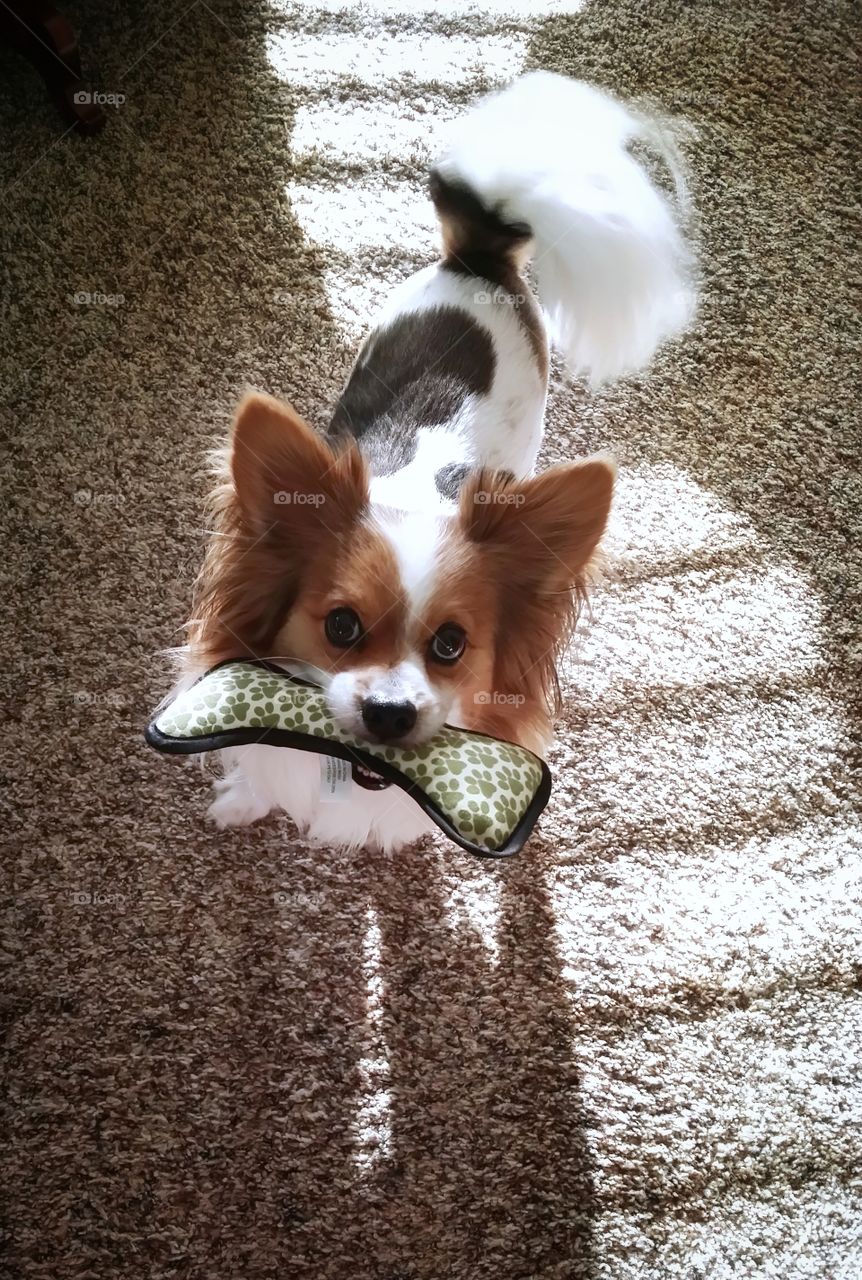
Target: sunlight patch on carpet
690	598
358	215
355	308
369	133
392	121
661	511
715	918
373	1132
478	9
326	61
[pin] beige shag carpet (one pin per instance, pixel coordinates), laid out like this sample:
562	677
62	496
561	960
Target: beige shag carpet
634	1052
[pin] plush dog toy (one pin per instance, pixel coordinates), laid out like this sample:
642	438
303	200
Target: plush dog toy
485	794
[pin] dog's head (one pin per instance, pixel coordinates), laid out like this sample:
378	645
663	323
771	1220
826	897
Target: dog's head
409	620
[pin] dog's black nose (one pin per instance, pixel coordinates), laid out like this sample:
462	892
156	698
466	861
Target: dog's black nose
387	720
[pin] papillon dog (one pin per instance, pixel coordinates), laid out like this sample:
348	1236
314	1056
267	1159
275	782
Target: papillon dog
407	558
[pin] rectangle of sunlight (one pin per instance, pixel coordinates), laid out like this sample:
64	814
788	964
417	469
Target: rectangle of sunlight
660	512
372	1126
323	60
715	917
370	133
476	9
685	786
740	1234
355	215
699	627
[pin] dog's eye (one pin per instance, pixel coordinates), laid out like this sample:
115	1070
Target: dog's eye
343	627
448	643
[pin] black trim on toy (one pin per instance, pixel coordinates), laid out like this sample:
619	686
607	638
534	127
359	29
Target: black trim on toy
324	747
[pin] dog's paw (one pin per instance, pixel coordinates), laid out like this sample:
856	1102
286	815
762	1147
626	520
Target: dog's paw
236	805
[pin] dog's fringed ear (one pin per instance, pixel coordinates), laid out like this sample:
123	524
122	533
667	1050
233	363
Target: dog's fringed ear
285	495
538	539
544	530
286	475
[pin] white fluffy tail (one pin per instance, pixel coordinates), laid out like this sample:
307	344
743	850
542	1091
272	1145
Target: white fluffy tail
611	266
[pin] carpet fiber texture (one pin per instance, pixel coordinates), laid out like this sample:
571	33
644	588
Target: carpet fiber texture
634	1051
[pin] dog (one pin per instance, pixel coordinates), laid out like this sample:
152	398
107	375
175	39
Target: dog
408	559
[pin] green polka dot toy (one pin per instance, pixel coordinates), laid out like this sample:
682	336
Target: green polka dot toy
485	794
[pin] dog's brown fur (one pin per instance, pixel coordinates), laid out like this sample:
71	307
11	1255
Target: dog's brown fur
514	568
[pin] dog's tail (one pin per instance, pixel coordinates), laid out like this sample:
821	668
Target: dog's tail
543	169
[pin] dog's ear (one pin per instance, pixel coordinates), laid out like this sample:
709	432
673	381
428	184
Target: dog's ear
286	476
537	538
284	497
544	531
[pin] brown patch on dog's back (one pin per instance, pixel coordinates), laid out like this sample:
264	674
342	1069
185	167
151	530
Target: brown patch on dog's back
470	228
478	243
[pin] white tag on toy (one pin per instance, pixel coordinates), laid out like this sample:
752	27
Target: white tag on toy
336	779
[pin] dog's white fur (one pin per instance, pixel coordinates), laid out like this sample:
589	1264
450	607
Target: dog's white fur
610	266
610	263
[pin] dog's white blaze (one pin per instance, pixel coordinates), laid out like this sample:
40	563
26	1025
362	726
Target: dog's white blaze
405	682
414	537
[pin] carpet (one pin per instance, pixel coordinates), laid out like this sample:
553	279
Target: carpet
633	1052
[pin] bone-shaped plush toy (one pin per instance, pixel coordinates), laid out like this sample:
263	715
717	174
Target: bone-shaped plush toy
484	794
